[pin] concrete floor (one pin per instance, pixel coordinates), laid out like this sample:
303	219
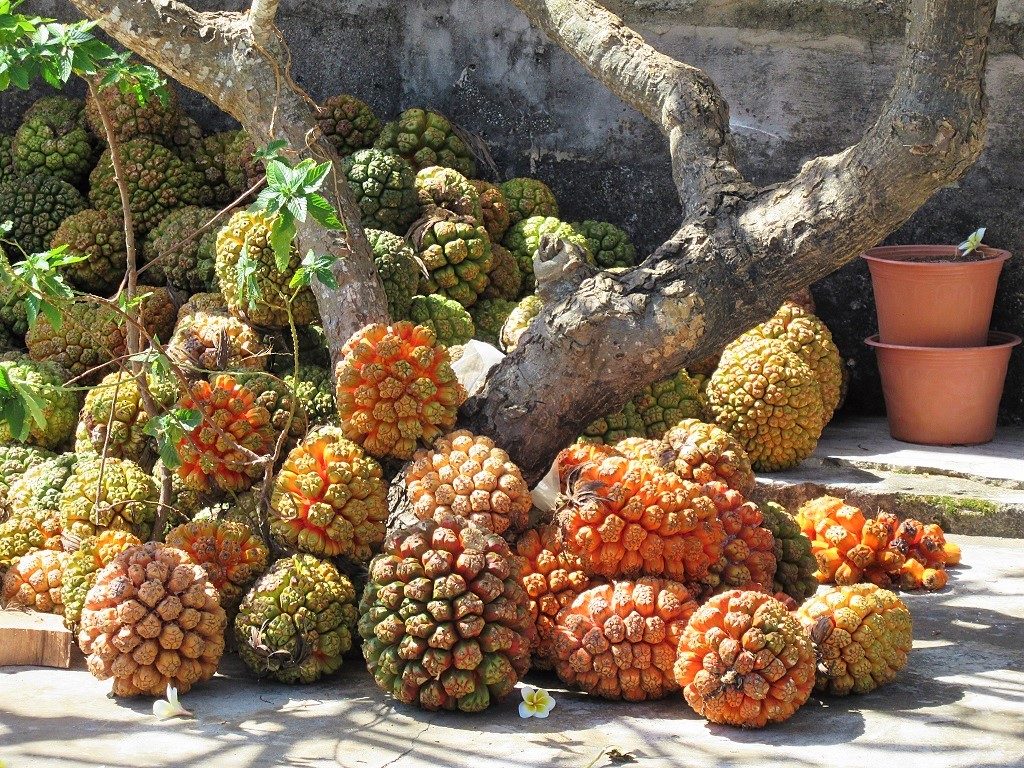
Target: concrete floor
976	490
960	702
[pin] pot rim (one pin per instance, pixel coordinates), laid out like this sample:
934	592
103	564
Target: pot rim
992	255
996	340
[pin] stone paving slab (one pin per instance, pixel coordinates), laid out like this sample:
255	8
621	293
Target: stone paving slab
959	703
976	490
866	442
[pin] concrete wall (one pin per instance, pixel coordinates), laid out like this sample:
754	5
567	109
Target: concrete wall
803	77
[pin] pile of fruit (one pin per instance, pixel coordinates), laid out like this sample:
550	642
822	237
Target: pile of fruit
654	575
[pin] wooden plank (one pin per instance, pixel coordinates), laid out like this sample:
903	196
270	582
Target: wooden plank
28	638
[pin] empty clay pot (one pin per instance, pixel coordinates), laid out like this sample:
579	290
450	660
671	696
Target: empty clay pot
928	297
944	395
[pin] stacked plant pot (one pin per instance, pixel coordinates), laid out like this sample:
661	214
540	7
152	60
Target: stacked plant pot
942	368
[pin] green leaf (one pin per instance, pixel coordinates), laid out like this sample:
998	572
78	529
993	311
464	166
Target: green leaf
973	241
277	174
248	287
12	412
281	236
297	207
315	177
323	212
33	403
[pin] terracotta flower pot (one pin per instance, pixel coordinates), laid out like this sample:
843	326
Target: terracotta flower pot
928	297
944	395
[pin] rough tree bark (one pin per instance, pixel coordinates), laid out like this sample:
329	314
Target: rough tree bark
242	64
738	252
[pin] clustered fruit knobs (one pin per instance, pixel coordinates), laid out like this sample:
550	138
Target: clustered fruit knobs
315	505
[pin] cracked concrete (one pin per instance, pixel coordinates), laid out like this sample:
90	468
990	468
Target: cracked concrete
960	702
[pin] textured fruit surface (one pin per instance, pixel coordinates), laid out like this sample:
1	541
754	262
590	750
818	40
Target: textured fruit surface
494	208
449	320
396	388
384	186
795	564
36	205
770	401
152	619
748	553
745	660
53	139
93	553
314	386
553	578
57	403
114	418
184	256
40	488
129	118
444	619
232	555
158	182
704	453
519	320
211	454
619	640
504	281
489	315
278	398
440	187
847	546
806	335
249	234
34	581
425	138
455	253
652	412
528	197
108	494
523	240
396	265
90	336
6	156
348	123
862	635
469	476
209	338
297	621
16	459
28	530
329	498
626	518
610	246
212	157
97	237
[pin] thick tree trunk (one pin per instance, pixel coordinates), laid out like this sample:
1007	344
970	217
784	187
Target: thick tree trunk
241	63
738	253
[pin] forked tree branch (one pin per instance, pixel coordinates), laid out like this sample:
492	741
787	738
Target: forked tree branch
680	99
721	274
247	75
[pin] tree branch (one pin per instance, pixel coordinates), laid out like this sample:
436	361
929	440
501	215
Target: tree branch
680	99
720	275
262	14
218	55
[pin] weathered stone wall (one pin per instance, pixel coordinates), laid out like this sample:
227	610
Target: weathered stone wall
803	77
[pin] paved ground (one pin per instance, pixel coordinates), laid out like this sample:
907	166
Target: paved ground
959	703
975	490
